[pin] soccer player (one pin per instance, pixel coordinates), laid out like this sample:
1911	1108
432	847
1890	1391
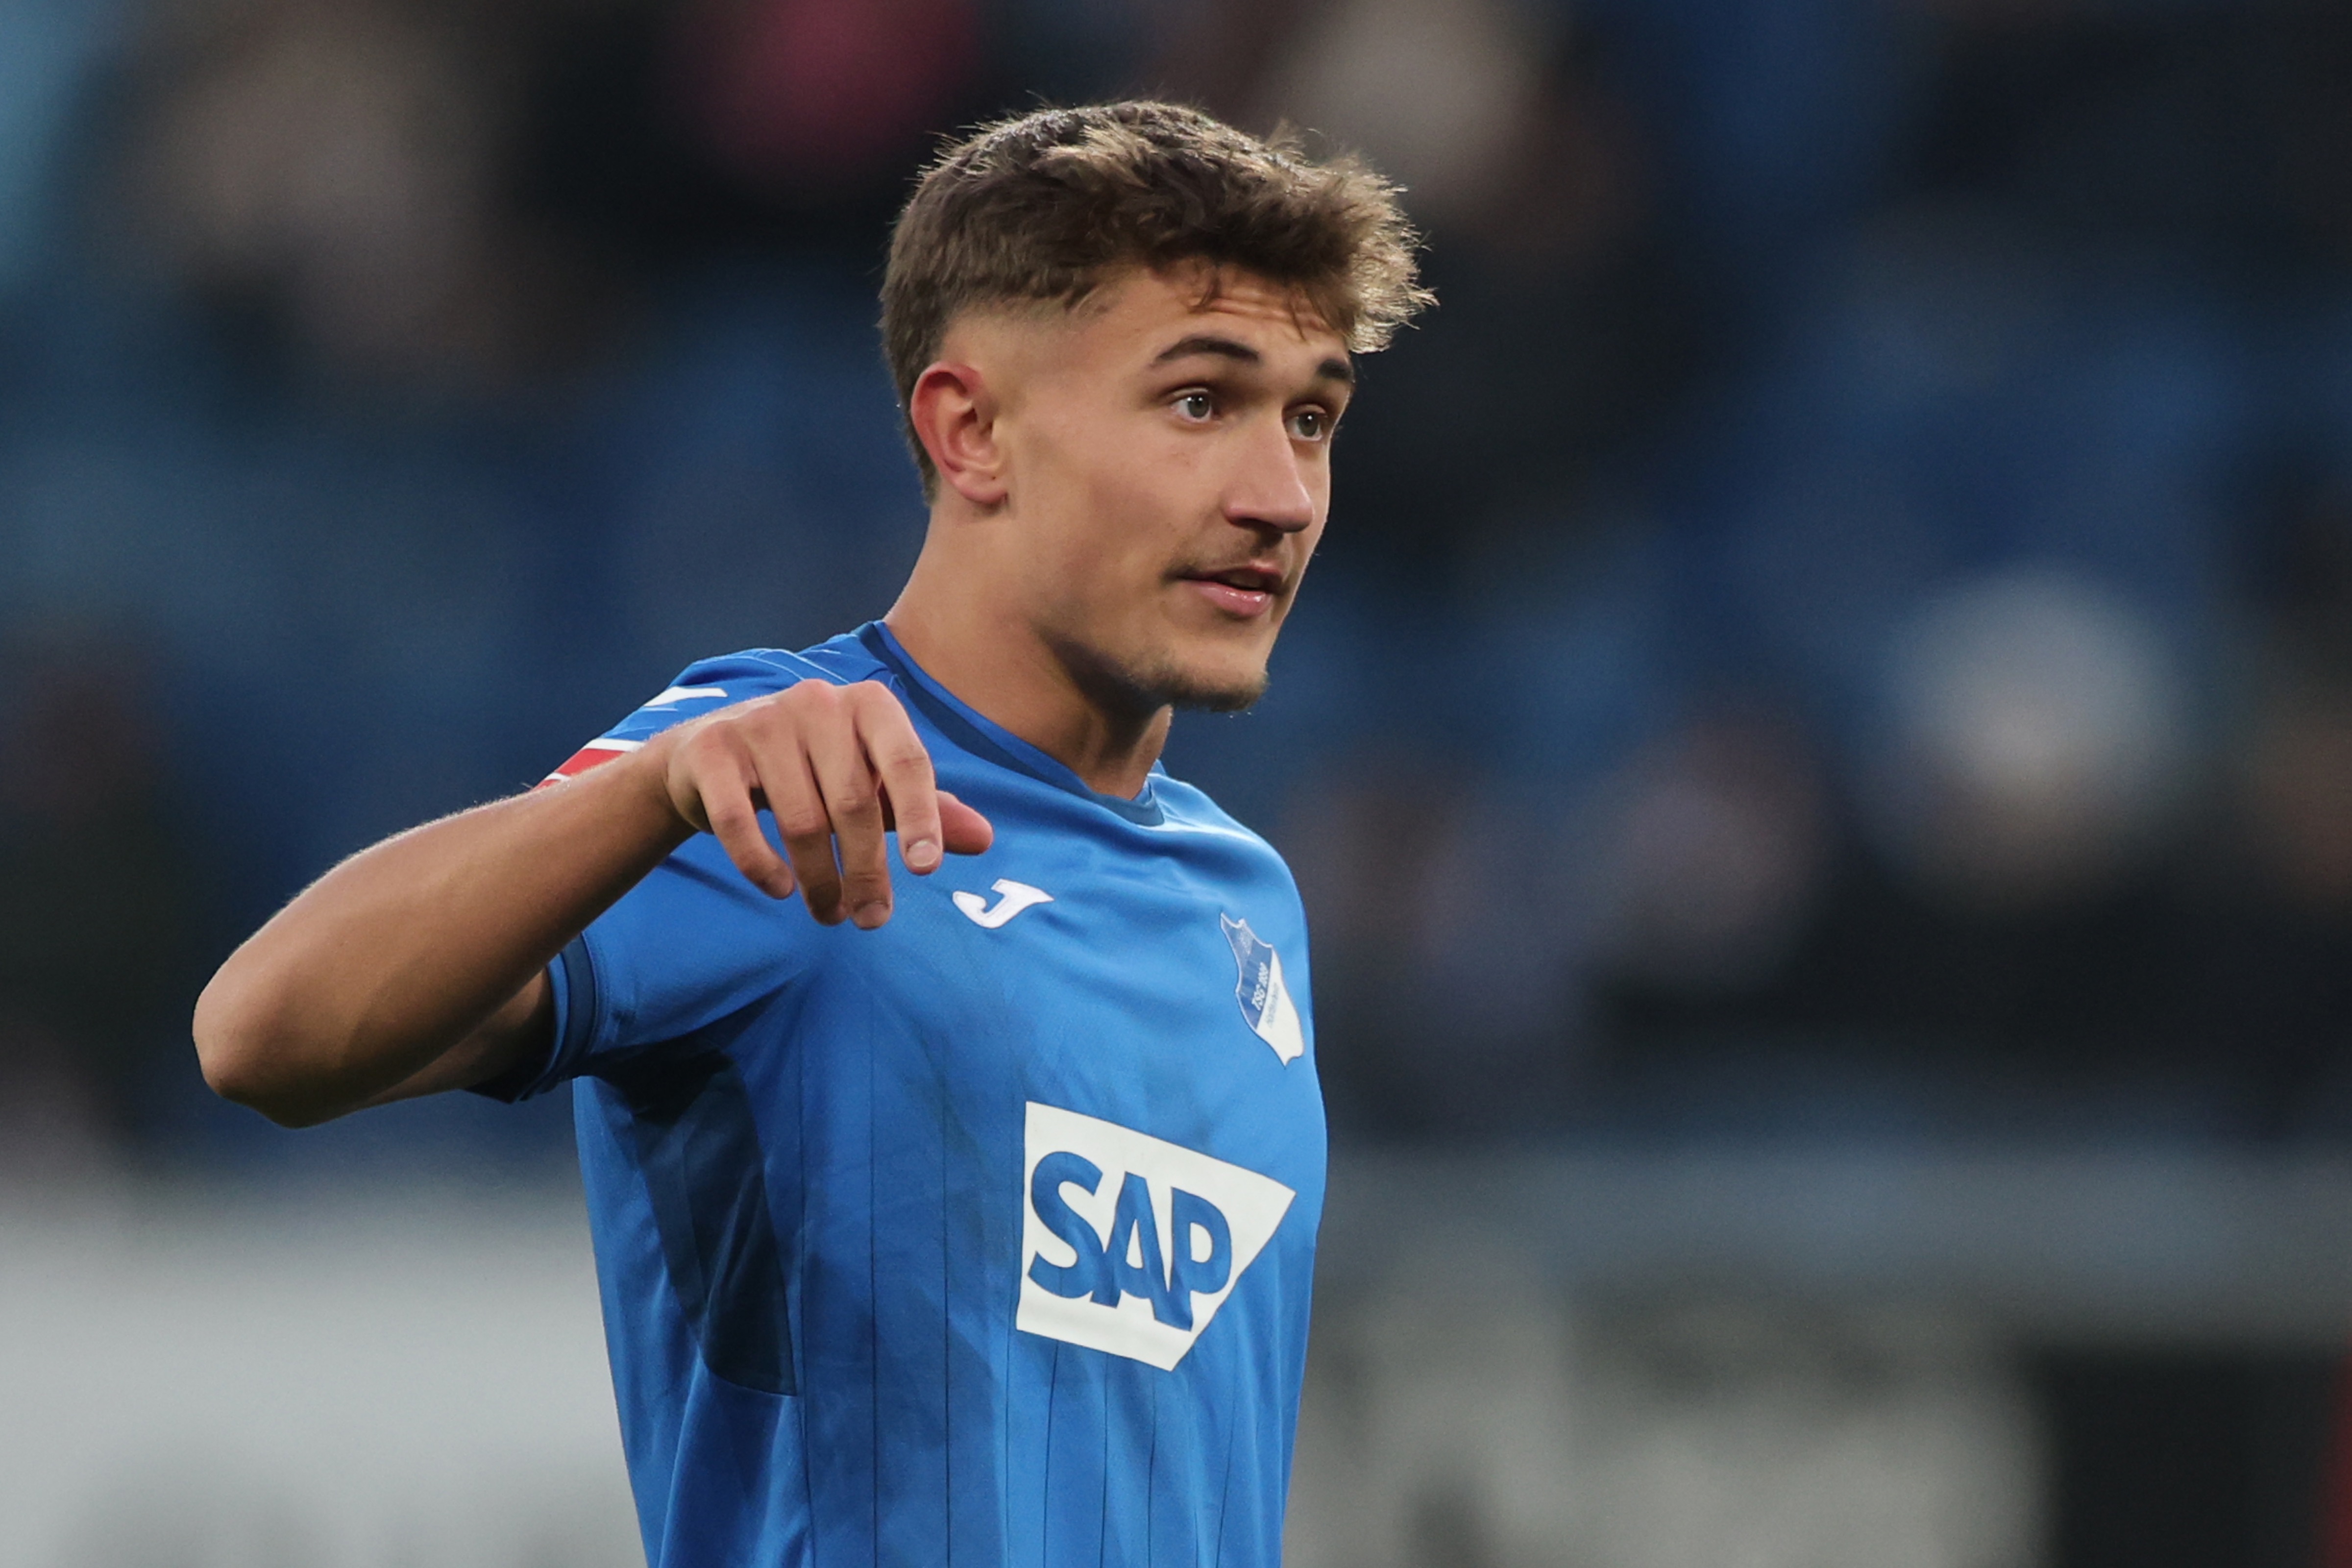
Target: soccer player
967	1218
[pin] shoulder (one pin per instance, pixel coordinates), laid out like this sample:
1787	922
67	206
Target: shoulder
1190	815
709	684
1188	808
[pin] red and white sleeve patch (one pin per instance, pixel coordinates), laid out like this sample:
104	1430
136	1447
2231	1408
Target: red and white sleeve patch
594	755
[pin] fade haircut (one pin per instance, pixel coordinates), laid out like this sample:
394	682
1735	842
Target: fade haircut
1044	207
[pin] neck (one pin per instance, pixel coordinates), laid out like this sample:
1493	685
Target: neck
1001	667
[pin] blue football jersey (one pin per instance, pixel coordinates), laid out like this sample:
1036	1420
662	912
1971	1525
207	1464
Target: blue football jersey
983	1238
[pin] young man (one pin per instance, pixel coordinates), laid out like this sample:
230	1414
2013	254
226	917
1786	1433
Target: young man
971	1219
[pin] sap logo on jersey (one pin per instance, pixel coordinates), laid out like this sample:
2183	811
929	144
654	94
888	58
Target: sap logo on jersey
1130	1243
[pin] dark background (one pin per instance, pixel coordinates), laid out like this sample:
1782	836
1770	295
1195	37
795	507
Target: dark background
1836	634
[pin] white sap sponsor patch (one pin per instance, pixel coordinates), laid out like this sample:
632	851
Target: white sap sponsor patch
1130	1243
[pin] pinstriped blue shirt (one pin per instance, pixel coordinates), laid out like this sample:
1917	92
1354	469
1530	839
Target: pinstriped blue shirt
983	1238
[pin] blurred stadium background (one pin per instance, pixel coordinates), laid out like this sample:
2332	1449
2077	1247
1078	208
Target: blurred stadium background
1820	746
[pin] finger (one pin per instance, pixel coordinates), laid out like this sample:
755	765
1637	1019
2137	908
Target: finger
853	800
962	830
902	763
798	807
734	819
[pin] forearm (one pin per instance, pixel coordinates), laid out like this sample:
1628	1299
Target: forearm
410	960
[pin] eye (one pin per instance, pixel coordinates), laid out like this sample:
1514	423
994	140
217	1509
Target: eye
1311	424
1197	406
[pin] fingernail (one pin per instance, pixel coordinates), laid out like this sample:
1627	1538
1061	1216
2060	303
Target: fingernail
921	855
869	916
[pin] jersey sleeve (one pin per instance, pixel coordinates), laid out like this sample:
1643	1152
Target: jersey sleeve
691	944
702	687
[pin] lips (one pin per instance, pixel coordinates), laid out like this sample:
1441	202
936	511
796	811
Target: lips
1244	592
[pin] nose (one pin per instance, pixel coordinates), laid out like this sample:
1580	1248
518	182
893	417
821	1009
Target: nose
1269	488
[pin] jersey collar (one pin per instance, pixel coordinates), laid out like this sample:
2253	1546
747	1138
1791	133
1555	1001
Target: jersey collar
989	741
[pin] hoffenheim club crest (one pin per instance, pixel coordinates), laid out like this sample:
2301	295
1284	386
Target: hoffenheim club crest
1266	1002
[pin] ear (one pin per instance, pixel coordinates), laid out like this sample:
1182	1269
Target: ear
954	415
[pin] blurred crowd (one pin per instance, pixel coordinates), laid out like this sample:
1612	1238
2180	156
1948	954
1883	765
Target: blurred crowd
1841	622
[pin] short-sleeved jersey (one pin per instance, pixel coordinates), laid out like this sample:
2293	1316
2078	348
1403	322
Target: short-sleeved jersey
981	1238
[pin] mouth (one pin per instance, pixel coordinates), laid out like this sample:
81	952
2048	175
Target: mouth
1245	592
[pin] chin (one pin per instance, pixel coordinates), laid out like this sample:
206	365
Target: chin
1211	680
1205	695
1195	689
1144	681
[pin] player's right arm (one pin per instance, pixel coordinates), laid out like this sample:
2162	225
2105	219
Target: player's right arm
420	964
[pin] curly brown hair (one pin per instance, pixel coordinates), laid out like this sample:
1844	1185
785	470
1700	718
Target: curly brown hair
1045	207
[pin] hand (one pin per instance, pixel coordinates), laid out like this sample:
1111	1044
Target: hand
836	766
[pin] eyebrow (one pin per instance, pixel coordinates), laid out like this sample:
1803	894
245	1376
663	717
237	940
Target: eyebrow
1209	344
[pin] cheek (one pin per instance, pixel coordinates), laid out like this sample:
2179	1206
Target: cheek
1101	551
1138	516
1117	499
1068	495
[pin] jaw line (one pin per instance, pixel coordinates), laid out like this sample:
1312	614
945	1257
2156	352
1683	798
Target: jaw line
1138	697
